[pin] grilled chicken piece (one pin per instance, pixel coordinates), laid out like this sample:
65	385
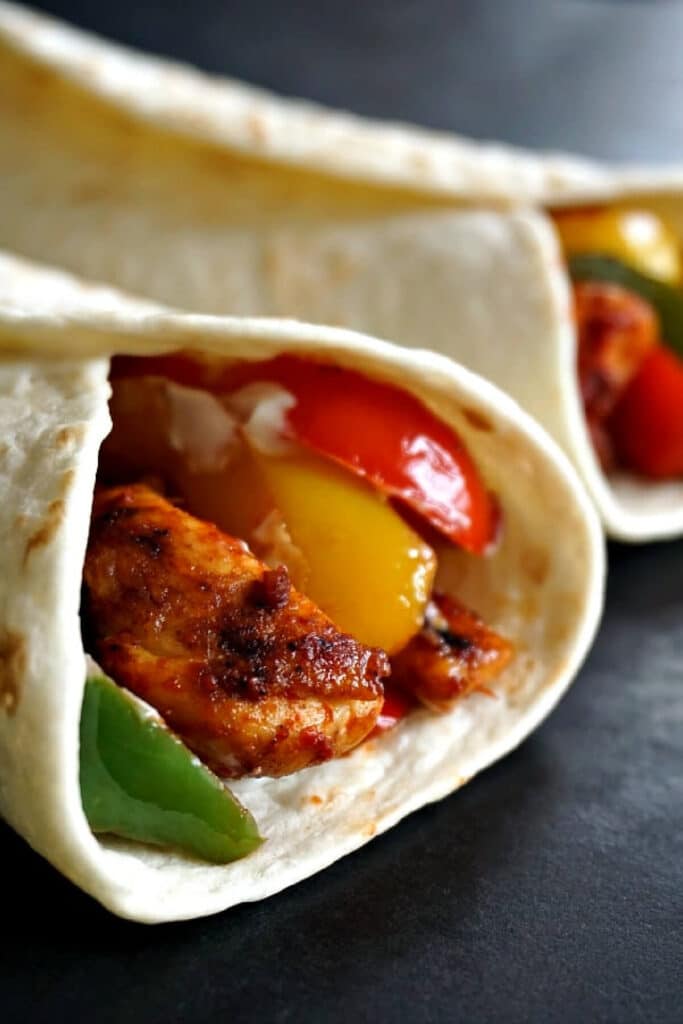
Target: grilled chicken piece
616	330
453	654
253	677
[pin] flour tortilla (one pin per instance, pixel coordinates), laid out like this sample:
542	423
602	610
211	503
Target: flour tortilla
207	194
229	116
542	588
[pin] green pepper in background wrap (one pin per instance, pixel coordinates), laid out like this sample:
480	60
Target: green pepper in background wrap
666	300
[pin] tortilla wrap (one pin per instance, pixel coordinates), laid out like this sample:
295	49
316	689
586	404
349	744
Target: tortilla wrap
542	587
220	198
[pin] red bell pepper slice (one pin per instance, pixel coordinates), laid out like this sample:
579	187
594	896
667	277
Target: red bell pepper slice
647	424
396	706
376	430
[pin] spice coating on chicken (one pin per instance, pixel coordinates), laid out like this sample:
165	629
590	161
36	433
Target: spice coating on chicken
249	672
454	654
616	330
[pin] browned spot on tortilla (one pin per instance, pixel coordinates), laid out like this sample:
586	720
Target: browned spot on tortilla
560	632
272	261
69	435
258	131
318	799
46	531
37	76
370	829
12	667
53	518
477	420
219	165
337	319
529	608
535	563
342	266
87	191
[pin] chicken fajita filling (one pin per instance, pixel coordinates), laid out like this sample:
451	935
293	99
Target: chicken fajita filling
626	270
261	571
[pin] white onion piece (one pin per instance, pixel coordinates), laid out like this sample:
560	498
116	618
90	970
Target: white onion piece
262	408
201	428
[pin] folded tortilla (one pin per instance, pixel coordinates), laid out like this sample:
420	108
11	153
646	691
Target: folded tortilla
542	588
214	196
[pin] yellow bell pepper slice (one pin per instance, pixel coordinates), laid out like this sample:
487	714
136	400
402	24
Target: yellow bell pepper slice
343	543
639	238
364	566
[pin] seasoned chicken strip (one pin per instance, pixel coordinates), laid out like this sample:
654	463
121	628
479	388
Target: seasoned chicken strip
253	677
454	653
616	330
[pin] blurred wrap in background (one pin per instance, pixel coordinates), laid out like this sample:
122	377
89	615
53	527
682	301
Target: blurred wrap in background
600	77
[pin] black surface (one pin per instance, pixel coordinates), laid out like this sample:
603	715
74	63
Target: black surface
550	888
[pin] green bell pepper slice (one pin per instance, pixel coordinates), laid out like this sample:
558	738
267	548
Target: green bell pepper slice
140	781
666	301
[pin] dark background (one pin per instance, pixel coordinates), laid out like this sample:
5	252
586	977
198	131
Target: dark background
550	888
